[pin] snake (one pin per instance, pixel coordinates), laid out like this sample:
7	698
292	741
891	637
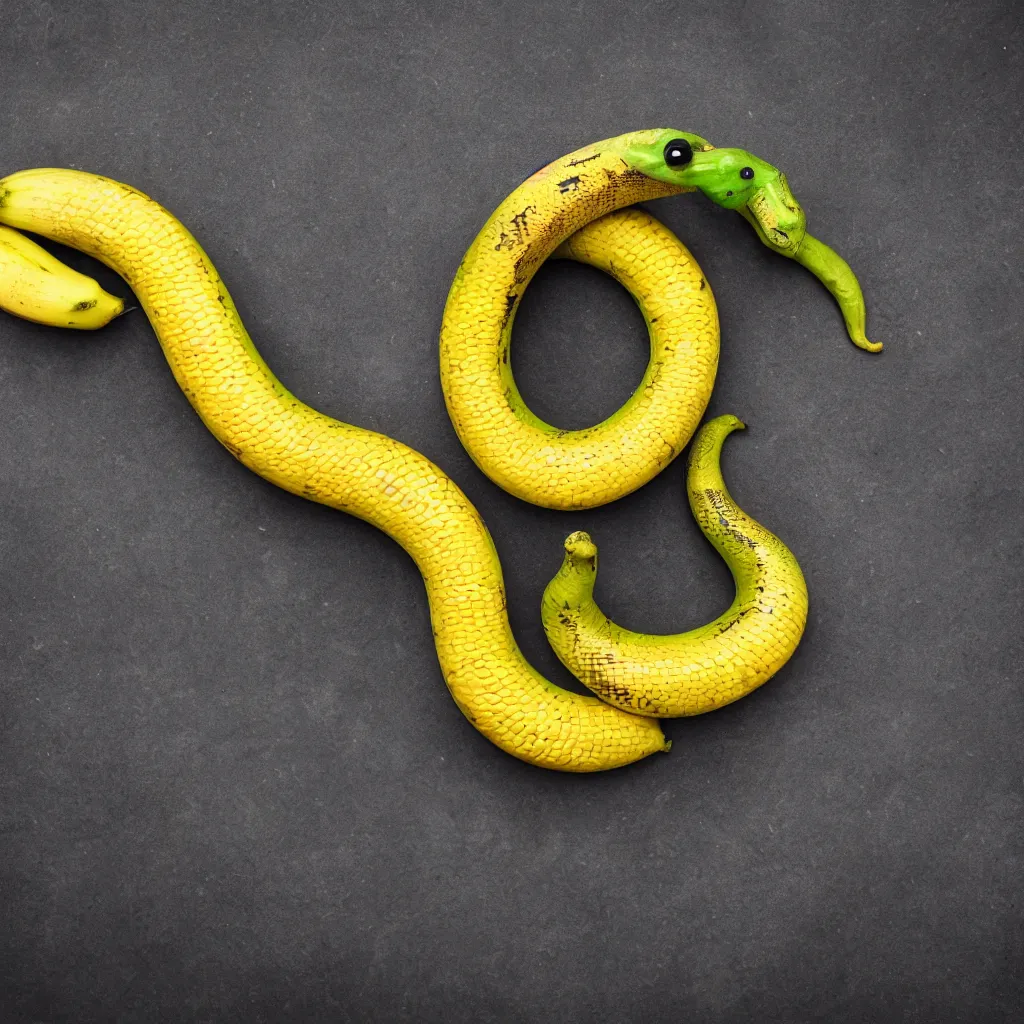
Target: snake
706	668
379	479
580	469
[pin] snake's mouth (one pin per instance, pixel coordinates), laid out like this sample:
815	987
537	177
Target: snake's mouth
777	216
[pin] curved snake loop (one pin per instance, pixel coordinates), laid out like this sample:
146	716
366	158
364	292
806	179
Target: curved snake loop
705	668
576	469
394	487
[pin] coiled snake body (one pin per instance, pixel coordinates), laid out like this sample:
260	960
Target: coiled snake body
375	477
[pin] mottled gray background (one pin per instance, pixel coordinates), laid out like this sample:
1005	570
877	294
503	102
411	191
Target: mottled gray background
234	786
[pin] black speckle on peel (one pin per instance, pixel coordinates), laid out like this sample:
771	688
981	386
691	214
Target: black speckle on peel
522	268
233	449
510	303
81	307
632	174
520	222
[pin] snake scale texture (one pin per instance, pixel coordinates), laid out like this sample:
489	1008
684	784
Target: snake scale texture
706	668
572	208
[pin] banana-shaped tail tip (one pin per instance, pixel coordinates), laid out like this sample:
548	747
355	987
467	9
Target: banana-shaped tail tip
36	286
727	424
579	547
706	450
714	432
835	274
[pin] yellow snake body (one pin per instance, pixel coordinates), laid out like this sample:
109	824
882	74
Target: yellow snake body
708	667
356	470
536	461
573	208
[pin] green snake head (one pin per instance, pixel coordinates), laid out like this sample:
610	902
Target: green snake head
759	192
776	216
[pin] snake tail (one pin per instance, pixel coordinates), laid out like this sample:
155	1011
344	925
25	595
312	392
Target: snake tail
708	667
358	471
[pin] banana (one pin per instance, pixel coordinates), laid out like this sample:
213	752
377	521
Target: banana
36	286
706	668
349	468
572	208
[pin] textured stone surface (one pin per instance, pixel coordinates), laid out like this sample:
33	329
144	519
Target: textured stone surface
234	787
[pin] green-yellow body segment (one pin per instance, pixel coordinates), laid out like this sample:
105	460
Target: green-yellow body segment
575	469
356	470
36	286
706	668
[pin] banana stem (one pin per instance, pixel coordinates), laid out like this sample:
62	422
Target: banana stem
574	582
835	274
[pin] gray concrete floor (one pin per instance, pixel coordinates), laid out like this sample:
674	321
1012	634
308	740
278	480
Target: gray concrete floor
234	786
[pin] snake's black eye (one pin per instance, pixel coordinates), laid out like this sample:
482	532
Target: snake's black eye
678	152
747	173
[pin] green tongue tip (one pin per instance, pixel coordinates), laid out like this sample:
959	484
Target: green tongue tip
835	274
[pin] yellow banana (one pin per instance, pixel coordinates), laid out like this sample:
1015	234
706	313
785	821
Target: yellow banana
358	471
36	286
706	668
